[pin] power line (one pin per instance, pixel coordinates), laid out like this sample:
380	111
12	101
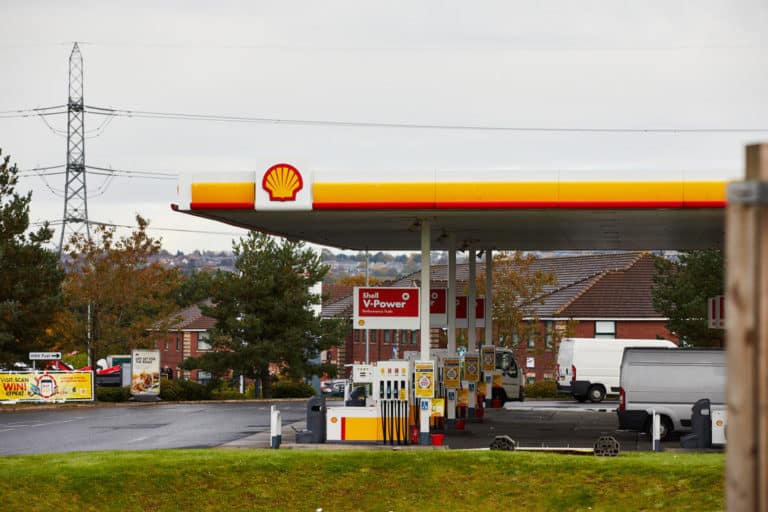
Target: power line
32	110
180	230
411	126
107	171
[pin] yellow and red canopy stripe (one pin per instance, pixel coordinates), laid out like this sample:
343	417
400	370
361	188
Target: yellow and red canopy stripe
529	194
478	195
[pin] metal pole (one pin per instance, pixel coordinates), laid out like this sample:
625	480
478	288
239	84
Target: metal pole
451	294
471	299
425	290
367	332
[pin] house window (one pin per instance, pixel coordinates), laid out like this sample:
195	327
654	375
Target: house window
548	334
165	346
202	341
530	378
414	337
387	336
178	343
605	329
531	340
406	337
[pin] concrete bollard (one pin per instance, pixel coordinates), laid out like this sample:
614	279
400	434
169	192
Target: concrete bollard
656	432
275	427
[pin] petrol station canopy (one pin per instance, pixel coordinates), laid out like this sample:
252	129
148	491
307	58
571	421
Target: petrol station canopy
541	210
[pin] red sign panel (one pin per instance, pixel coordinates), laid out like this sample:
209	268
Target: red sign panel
437	300
386	308
461	307
394	302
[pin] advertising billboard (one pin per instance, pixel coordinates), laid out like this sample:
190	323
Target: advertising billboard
145	373
46	386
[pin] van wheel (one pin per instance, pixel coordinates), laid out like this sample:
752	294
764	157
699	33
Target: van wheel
665	428
596	393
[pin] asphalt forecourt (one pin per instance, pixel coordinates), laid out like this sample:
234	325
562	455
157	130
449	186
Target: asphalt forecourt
371	480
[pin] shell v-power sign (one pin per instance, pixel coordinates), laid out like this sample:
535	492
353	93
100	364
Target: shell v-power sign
386	308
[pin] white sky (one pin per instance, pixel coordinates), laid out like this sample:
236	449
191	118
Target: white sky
551	63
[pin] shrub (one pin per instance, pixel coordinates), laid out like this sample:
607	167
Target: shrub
541	389
175	390
112	394
287	389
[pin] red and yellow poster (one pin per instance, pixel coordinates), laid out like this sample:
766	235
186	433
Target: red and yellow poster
46	386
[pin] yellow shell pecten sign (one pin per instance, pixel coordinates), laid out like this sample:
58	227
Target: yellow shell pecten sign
282	182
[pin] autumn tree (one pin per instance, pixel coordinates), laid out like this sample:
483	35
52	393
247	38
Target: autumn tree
517	289
118	295
263	312
30	275
681	290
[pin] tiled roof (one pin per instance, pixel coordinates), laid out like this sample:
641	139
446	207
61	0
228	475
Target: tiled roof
596	285
192	319
624	293
334	292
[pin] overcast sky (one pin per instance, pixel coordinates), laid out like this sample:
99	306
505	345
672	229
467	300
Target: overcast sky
538	64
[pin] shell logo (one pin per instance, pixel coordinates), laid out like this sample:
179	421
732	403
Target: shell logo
282	182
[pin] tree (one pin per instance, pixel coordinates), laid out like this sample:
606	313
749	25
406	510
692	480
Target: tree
263	312
195	287
118	295
681	291
30	275
517	289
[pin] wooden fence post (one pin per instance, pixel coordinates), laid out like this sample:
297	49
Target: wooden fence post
747	336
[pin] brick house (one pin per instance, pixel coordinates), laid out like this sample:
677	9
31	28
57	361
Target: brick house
599	295
188	338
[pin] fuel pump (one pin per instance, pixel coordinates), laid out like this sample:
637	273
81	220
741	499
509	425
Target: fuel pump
393	385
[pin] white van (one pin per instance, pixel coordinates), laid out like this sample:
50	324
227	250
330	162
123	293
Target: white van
669	382
588	368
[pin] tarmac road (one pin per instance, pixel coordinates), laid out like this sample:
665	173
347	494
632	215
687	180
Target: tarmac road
246	425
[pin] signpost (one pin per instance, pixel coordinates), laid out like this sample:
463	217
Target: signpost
44	356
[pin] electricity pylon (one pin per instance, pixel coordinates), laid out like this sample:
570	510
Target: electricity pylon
75	218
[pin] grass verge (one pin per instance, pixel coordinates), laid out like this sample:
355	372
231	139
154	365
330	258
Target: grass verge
374	480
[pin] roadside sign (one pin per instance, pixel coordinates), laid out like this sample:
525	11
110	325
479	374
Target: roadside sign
44	356
716	312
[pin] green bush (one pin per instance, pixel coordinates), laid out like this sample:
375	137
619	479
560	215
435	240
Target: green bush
541	389
112	394
176	390
226	392
287	389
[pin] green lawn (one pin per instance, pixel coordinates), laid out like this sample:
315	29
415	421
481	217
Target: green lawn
366	480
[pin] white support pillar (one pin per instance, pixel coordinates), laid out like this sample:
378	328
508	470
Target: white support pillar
425	290
471	328
488	339
471	298
424	413
488	296
451	394
451	295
